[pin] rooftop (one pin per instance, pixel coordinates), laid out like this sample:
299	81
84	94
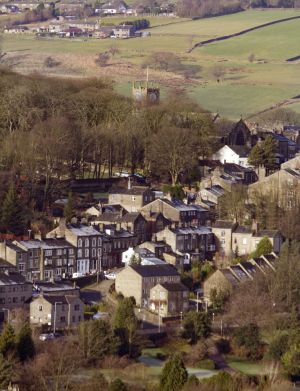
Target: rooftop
83	230
191	230
224	224
11	279
174	287
155	270
135	190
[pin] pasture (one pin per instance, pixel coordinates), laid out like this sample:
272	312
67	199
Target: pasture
244	88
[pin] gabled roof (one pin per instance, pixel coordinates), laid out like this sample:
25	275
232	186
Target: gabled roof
155	270
174	287
241	150
60	299
239	273
241	229
135	190
11	279
224	224
83	230
191	230
229	276
267	232
130	217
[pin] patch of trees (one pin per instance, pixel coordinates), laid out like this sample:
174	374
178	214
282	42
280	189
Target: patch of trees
207	8
139	24
40	14
200	8
55	130
170	62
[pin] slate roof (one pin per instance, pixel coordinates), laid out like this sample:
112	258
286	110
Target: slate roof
249	267
241	229
268	233
239	273
224	224
55	243
191	230
155	270
229	276
61	299
135	190
174	287
241	150
83	230
12	279
130	217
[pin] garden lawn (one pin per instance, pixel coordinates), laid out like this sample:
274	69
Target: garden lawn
244	366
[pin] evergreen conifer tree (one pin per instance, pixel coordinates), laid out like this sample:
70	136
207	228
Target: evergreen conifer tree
13	217
7	340
174	374
25	344
6	372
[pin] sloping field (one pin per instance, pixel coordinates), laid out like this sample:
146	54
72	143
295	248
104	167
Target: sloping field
223	25
243	88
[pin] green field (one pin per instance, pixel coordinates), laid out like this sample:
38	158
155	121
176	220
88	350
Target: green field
244	89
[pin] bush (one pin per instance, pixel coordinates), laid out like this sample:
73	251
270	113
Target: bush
278	346
247	342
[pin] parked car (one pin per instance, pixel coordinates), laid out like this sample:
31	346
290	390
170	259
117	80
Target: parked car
77	275
49	336
110	276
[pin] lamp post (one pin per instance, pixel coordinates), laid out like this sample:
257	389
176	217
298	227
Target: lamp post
54	321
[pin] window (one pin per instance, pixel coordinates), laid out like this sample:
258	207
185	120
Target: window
86	253
59	252
58	262
79	253
2	301
244	241
21	267
99	241
94	242
76	307
94	252
86	242
222	233
48	253
40	308
62	318
71	251
15	299
79	242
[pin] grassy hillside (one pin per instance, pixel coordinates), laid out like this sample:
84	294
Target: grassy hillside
245	87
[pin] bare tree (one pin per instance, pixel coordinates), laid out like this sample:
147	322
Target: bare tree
102	59
218	71
113	50
251	58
